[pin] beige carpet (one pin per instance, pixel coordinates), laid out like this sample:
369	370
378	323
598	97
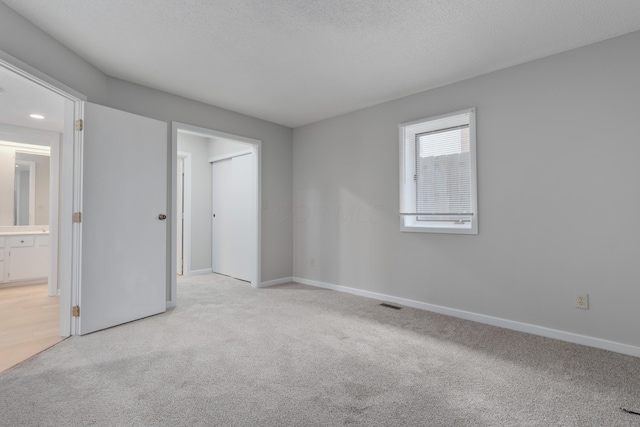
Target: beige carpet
299	356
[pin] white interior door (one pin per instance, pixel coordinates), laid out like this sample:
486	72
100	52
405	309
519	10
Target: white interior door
233	216
124	241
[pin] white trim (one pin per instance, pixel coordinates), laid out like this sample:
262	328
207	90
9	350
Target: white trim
210	133
258	253
200	272
186	236
276	282
70	238
27	282
229	155
173	212
14	64
179	218
54	198
481	318
70	187
74	201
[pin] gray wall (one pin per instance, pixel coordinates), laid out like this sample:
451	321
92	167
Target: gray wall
200	199
29	44
557	183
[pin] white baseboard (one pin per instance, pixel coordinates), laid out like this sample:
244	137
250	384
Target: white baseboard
200	272
27	282
275	282
481	318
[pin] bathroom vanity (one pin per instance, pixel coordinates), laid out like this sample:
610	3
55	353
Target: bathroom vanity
24	256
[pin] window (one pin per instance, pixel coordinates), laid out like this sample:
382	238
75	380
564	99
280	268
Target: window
438	174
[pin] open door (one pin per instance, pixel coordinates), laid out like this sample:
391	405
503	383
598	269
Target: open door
124	227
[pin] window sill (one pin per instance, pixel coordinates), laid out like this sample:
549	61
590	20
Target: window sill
409	226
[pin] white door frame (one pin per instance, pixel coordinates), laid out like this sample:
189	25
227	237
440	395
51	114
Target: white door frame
186	234
180	217
257	146
70	185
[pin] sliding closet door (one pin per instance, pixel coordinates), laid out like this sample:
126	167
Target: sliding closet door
243	215
222	249
233	216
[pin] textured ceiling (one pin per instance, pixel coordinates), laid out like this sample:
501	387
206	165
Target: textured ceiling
295	62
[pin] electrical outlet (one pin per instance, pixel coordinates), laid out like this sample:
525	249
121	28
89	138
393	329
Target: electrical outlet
312	262
582	301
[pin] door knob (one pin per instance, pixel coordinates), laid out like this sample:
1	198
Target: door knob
162	217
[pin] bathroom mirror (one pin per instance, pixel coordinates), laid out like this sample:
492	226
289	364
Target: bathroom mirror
24	185
24	193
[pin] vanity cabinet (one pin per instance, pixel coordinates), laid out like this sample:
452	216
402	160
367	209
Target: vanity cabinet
24	257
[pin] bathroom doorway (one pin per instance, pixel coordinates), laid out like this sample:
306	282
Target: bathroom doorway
32	125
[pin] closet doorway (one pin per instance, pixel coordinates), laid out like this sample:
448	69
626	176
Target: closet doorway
195	153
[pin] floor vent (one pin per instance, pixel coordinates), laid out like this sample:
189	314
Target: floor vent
395	307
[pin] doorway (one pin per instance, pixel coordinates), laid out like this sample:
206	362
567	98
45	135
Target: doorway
88	201
37	116
250	146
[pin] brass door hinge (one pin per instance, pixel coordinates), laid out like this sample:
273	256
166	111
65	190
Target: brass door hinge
79	124
77	217
75	311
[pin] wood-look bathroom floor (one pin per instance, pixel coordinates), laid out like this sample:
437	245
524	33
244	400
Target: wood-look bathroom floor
29	323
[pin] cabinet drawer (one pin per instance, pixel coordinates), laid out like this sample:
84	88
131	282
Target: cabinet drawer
42	240
1	242
19	241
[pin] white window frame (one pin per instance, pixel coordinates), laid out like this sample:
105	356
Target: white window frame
408	187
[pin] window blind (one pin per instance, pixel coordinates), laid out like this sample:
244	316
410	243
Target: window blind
436	169
443	174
